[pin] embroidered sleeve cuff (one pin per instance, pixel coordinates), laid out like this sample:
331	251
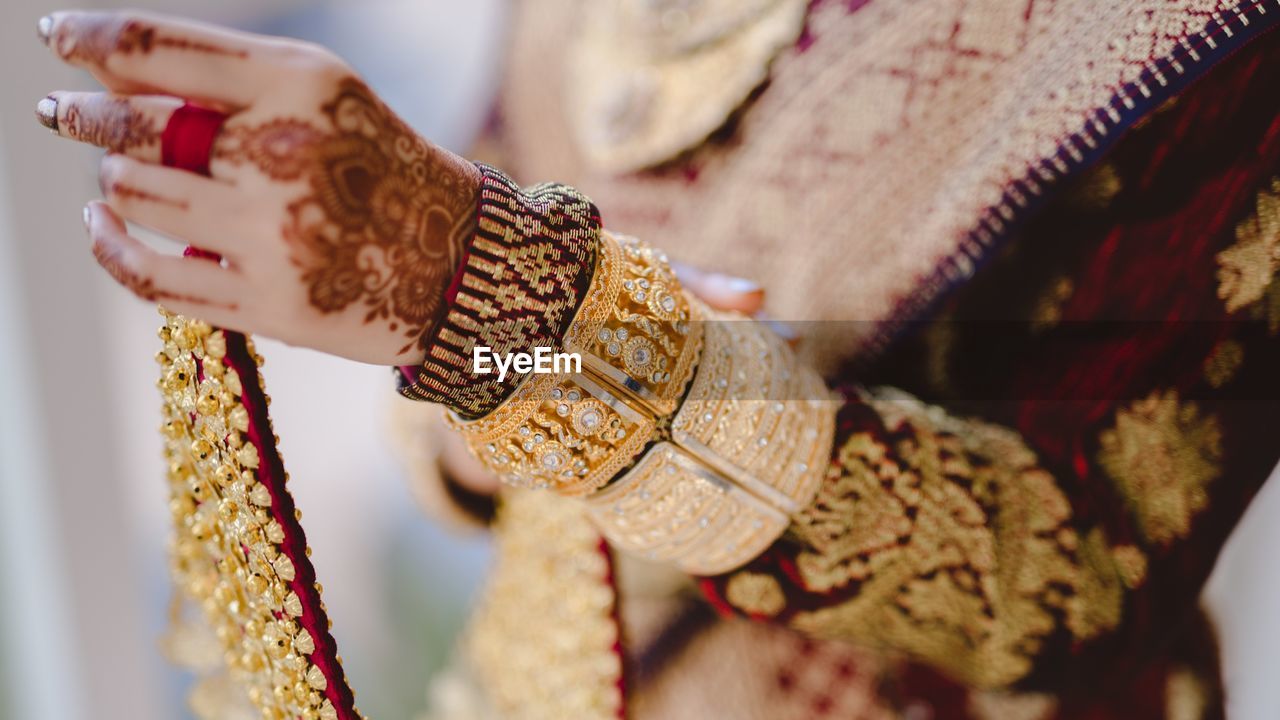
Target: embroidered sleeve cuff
518	287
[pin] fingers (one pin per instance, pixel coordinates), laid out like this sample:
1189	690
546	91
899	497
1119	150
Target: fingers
131	125
198	287
722	292
129	51
193	209
725	292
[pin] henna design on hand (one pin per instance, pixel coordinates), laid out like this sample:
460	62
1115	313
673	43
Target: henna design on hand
115	124
386	215
130	192
95	38
110	259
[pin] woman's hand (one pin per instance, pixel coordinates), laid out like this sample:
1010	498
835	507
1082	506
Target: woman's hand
339	227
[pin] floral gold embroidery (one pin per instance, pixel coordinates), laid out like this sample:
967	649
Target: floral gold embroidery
1048	309
1269	308
959	544
756	593
1132	564
1247	268
1100	590
1162	454
1096	189
1223	362
543	641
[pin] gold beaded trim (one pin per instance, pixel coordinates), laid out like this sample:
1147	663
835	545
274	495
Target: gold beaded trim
524	275
232	554
716	476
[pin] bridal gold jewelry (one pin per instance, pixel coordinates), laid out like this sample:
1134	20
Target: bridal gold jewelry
230	555
710	478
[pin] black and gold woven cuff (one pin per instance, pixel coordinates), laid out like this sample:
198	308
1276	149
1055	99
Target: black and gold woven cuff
524	276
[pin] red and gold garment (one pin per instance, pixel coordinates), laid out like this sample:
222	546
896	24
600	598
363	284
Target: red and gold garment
1039	260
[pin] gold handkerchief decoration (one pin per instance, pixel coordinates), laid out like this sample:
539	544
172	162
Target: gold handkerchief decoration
239	557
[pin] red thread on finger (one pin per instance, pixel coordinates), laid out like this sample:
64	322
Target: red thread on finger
187	140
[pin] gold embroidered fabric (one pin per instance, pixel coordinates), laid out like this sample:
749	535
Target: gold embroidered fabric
1247	269
1163	453
879	143
230	556
523	278
543	639
650	79
1223	362
959	544
756	594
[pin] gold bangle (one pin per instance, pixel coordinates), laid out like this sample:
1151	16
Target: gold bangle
713	474
748	449
639	339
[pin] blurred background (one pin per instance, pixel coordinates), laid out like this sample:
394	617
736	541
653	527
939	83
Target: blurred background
83	574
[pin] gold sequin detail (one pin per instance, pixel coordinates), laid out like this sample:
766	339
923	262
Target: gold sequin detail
1162	454
1048	309
543	638
228	555
1223	362
756	593
1132	564
1247	268
959	543
1095	189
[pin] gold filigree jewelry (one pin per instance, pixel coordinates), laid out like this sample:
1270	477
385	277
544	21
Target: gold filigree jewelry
748	449
715	473
231	555
639	343
648	342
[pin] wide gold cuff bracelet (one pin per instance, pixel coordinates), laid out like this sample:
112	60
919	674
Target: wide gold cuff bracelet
692	436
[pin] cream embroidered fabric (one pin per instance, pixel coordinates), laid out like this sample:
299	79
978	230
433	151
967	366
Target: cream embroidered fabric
653	78
873	152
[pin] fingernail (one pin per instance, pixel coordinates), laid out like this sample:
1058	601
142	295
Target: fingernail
741	285
47	112
44	28
88	215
